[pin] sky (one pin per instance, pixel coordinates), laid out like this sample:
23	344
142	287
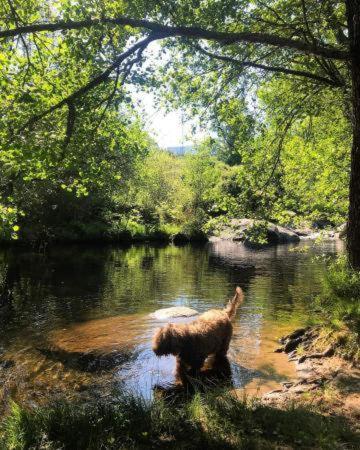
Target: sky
169	129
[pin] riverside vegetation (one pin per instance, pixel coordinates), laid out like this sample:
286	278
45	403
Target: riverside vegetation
278	147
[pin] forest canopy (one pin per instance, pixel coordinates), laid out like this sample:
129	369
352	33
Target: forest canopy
270	82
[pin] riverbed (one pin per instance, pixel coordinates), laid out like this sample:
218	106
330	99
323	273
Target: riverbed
77	322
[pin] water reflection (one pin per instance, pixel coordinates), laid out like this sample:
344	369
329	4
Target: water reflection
76	320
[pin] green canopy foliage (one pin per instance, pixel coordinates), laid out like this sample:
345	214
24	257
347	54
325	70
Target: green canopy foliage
75	159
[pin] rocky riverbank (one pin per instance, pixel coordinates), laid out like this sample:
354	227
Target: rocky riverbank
249	231
327	379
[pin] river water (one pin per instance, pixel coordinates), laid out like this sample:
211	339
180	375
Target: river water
76	322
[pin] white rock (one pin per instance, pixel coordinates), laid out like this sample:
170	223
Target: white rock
175	311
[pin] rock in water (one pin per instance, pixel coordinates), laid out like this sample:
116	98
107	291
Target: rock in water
97	345
88	362
101	335
175	311
237	230
280	235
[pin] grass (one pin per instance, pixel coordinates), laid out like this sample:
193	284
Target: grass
340	306
203	421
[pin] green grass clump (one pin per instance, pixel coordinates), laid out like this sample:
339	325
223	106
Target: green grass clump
341	294
203	421
340	306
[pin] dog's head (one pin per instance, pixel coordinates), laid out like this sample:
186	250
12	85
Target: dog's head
164	341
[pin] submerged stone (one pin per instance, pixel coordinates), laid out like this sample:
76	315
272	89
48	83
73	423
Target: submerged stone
102	336
90	361
174	311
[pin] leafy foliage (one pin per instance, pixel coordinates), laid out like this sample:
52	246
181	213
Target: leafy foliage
342	294
73	153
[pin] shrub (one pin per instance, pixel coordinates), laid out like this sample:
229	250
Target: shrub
257	234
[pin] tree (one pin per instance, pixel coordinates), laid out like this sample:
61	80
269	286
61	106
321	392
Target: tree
302	39
353	232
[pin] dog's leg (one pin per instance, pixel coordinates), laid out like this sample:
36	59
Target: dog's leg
224	345
180	373
196	363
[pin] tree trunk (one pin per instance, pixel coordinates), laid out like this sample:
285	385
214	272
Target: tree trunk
353	230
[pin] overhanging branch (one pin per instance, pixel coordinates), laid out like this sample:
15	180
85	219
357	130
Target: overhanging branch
225	38
70	99
245	63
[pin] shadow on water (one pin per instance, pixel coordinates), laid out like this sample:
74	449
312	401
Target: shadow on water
90	361
79	316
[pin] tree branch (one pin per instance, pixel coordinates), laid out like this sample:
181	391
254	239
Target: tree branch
16	20
299	73
304	11
70	99
287	122
110	97
70	124
279	150
225	38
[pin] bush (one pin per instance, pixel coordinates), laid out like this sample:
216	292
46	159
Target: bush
257	234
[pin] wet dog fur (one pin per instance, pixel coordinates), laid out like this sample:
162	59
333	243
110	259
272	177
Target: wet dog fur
192	343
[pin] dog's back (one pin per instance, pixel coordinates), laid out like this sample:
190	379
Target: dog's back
209	334
220	317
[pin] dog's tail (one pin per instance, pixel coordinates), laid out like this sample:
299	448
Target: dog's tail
234	303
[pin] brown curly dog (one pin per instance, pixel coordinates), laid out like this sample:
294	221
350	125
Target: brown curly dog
192	343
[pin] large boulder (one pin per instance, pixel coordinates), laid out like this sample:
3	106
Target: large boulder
99	335
238	230
281	235
89	361
96	345
341	230
304	232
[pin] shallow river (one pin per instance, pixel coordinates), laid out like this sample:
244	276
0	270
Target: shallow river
76	320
